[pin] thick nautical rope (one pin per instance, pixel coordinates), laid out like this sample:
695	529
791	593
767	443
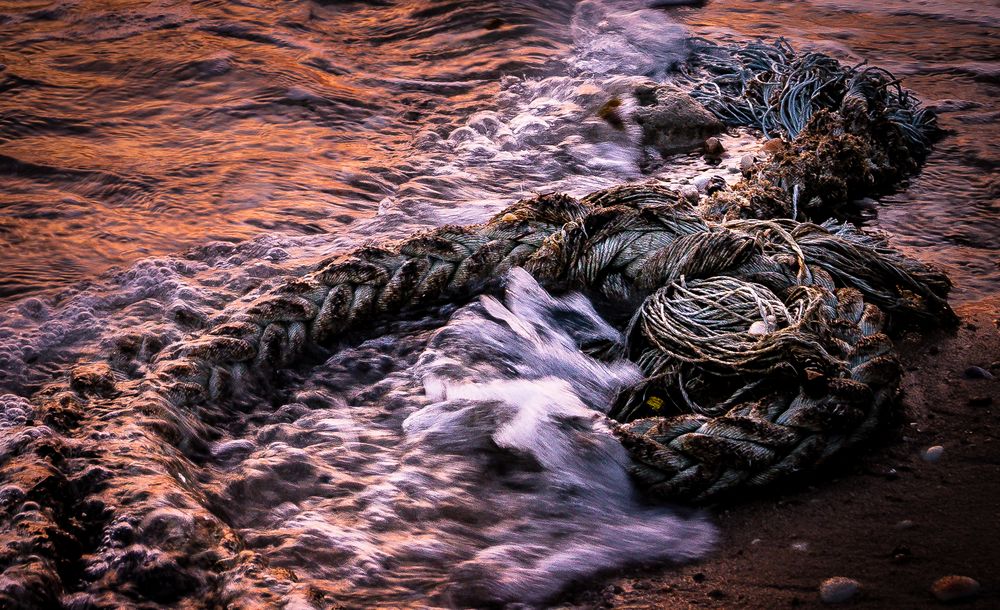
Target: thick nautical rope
621	244
353	290
809	401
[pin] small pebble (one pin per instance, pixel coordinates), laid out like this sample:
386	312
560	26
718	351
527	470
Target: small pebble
773	145
954	588
905	524
690	192
746	162
838	589
933	454
714	147
802	547
758	328
977	372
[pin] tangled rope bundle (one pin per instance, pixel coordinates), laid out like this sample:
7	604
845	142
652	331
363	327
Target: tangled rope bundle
842	133
792	305
775	89
763	339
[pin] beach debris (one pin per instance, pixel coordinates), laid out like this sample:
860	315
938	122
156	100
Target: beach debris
838	589
718	408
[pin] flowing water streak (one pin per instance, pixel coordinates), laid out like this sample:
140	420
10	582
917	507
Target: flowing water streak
483	470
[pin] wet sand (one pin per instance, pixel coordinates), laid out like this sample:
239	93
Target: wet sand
887	518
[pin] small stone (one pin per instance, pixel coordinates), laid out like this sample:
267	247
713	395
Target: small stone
977	372
838	589
801	547
905	524
746	162
756	541
690	192
773	145
758	328
933	454
954	588
980	401
714	147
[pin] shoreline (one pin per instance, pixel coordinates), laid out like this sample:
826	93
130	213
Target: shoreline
887	518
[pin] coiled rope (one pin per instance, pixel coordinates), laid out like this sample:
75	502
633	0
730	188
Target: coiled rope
750	300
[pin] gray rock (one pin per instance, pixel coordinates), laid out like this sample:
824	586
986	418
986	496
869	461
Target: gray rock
714	147
690	192
672	120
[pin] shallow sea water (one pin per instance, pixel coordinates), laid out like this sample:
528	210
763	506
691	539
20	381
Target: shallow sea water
162	161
